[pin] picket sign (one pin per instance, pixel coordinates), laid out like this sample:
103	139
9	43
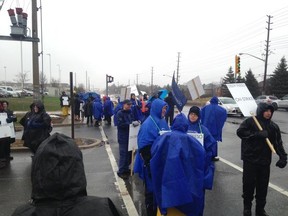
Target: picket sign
195	88
247	104
6	129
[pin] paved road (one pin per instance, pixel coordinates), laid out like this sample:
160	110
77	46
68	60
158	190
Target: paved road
100	166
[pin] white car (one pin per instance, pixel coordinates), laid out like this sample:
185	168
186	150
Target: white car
283	102
230	105
270	99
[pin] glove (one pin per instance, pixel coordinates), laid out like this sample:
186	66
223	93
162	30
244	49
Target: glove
281	163
262	134
0	122
9	120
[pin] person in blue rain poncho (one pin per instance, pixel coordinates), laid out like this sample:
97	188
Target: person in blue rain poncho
214	118
177	169
149	131
203	135
97	111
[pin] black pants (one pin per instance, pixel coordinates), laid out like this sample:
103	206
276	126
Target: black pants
255	177
89	118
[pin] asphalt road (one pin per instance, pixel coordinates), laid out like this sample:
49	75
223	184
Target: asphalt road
101	166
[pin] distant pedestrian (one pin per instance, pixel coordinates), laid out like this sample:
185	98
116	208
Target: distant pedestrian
59	183
170	112
256	156
214	118
88	111
77	102
38	126
124	119
65	103
97	111
10	118
108	108
136	108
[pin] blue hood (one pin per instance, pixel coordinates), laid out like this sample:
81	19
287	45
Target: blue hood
180	123
214	100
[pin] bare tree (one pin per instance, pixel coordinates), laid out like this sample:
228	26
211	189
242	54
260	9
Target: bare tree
22	78
54	82
43	81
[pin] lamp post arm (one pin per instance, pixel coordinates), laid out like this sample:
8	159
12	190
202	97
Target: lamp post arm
252	56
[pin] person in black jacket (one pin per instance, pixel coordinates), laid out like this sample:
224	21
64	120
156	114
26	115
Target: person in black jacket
124	119
59	183
170	113
256	156
37	126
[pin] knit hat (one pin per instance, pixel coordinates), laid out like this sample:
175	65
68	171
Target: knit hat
195	110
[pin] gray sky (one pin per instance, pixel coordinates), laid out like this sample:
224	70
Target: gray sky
123	38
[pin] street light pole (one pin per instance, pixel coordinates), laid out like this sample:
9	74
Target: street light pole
265	68
50	67
5	74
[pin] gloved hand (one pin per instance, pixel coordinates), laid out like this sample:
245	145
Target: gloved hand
262	134
9	120
0	122
281	163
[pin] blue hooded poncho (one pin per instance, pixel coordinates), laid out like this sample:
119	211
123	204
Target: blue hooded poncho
209	146
177	169
214	117
97	108
148	132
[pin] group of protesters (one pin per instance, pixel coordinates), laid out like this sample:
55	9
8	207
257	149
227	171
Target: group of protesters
176	163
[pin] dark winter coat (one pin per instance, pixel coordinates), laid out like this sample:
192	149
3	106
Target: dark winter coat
254	148
124	119
88	108
38	127
59	183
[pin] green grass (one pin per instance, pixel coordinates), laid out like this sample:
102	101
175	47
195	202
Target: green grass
23	104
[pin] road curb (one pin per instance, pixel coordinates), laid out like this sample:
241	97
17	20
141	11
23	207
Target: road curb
95	144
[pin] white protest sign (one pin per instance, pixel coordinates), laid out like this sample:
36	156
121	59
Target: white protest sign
65	100
198	136
195	88
243	98
5	130
133	133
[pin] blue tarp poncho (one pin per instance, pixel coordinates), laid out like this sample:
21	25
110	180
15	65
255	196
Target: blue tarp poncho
214	117
148	132
177	169
209	146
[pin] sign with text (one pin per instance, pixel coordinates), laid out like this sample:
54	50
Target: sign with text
243	98
195	88
133	133
5	130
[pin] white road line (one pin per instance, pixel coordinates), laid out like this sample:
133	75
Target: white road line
129	204
273	186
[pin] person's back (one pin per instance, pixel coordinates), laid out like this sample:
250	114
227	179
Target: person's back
59	183
214	117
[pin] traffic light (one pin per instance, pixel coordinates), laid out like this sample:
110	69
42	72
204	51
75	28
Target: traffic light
237	64
109	79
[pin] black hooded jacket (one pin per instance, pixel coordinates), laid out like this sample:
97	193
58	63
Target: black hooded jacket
254	148
37	127
59	183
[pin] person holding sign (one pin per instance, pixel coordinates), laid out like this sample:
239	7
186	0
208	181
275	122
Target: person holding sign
256	156
65	103
124	119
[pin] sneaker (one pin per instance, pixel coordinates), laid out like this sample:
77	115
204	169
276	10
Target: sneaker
215	159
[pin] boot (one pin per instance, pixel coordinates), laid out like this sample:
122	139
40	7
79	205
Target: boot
261	212
247	212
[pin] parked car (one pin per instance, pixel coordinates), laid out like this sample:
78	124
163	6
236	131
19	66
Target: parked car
10	90
28	92
230	105
270	99
3	93
283	102
6	93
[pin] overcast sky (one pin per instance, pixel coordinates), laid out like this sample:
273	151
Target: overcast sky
123	38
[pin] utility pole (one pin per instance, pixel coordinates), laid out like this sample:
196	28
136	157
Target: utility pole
152	81
137	79
266	54
177	74
35	54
